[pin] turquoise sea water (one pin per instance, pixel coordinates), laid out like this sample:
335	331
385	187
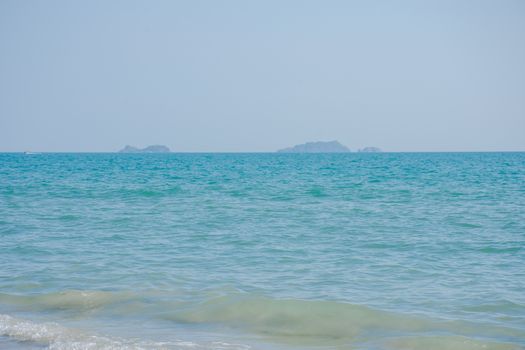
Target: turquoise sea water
262	251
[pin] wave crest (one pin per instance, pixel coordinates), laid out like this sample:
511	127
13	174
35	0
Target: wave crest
57	337
69	299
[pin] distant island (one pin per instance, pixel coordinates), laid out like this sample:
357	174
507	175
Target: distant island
370	150
149	149
317	147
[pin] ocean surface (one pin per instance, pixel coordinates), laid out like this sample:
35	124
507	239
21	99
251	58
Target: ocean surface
262	251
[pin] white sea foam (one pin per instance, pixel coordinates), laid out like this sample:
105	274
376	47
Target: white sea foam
57	337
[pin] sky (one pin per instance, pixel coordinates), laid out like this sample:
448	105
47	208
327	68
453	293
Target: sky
256	76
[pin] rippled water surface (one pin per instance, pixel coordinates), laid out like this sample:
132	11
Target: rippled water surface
262	251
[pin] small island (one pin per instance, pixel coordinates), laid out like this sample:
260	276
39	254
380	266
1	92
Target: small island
370	150
149	149
317	147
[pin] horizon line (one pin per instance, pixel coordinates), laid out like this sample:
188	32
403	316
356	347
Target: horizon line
253	152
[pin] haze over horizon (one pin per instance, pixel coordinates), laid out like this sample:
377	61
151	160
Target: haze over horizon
260	76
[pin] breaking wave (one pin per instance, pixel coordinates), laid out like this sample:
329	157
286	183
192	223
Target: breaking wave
57	337
303	323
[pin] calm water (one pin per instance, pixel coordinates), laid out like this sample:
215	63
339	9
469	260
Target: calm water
262	251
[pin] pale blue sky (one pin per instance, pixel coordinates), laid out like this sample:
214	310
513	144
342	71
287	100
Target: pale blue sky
261	75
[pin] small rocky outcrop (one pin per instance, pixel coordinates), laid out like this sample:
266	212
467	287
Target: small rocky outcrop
370	150
317	147
149	149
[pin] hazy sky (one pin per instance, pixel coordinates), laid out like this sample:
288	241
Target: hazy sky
260	75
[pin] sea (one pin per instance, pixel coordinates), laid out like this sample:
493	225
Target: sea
378	251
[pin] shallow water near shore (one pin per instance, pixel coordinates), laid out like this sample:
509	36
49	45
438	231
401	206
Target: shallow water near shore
262	251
